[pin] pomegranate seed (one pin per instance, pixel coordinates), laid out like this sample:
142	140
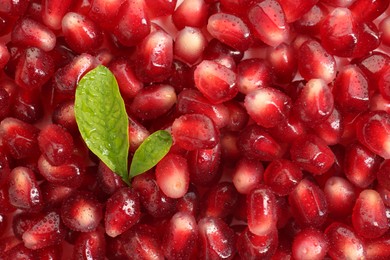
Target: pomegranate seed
247	175
311	21
24	192
19	138
172	175
289	129
310	243
195	131
384	28
53	12
23	221
28	32
203	165
137	132
105	13
268	22
261	211
372	131
369	40
251	246
155	57
308	204
90	245
254	142
189	44
108	181
315	102
54	194
141	243
316	62
282	176
156	203
252	74
294	10
181	236
230	30
340	196
153	101
5	206
66	78
81	34
133	24
4	55
385	194
340	32
189	202
46	232
64	116
368	10
129	85
338	3
331	129
267	106
283	62
312	154
182	76
81	212
191	13
383	176
158	8
351	89
220	201
216	49
373	65
68	174
378	248
216	239
384	83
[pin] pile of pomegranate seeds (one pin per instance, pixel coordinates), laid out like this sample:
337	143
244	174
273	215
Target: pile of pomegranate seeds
279	112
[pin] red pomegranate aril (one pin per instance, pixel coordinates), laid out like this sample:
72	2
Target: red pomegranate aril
19	138
369	215
81	33
384	28
195	131
360	165
64	116
181	236
373	65
159	8
230	30
90	245
48	231
289	129
53	12
340	196
191	13
247	175
5	168
238	116
154	57
19	252
108	181
315	62
156	203
5	104
282	176
261	211
220	201
338	3
215	49
66	78
368	10
4	55
311	21
251	246
190	202
172	175
28	32
310	243
56	144
105	13
81	212
128	83
122	211
295	9
23	189
283	62
182	76
312	154
369	39
189	44
384	83
378	248
54	194
344	243
5	206
385	194
383	174
252	74
153	101
315	102
215	81
372	130
340	32
133	24
216	239
7	243
34	68
24	221
254	142
267	106
331	129
137	132
268	22
308	204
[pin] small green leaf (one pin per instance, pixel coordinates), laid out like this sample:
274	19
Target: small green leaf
102	120
150	152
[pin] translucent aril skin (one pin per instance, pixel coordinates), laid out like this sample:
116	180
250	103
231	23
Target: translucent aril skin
279	112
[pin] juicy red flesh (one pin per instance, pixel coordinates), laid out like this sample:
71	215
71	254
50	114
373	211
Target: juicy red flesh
278	111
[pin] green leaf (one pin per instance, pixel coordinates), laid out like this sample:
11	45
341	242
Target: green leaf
150	152
102	120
